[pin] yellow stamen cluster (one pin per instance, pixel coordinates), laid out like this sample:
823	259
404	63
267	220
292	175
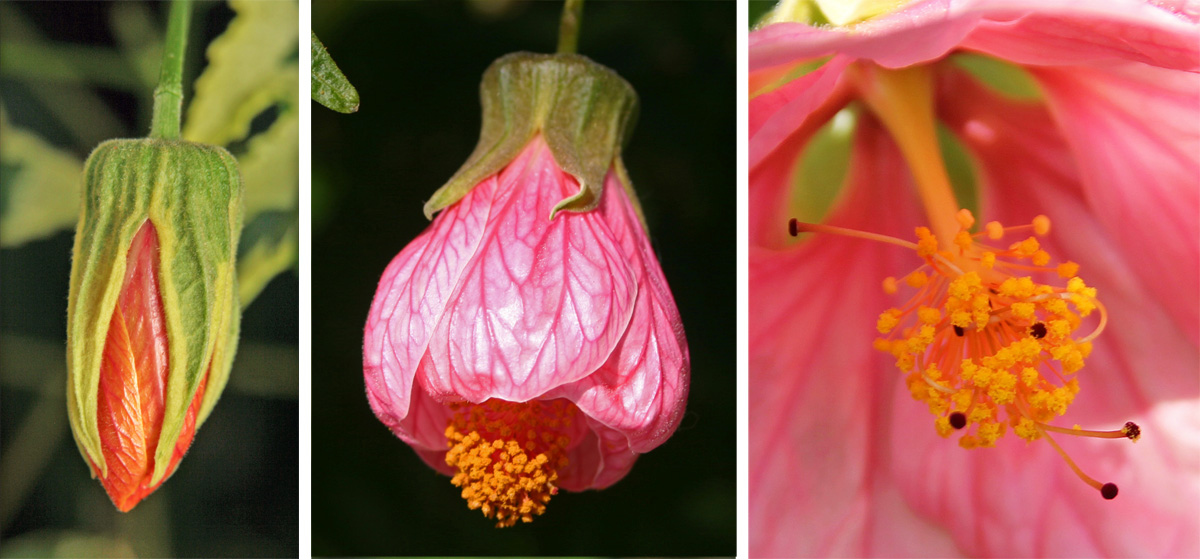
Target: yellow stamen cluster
985	346
508	455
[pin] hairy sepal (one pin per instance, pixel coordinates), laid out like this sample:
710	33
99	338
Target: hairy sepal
192	195
585	112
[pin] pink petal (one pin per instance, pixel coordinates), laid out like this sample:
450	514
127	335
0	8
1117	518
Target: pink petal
641	389
540	303
411	299
820	478
1021	499
1034	32
532	303
919	32
1134	132
1068	32
806	102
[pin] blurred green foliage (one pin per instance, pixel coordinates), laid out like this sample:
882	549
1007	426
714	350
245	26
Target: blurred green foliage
75	74
417	67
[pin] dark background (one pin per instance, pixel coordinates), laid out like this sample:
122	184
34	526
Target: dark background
417	68
236	492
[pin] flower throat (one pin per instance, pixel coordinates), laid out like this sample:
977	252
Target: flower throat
986	346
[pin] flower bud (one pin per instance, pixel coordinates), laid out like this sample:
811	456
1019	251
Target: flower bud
152	321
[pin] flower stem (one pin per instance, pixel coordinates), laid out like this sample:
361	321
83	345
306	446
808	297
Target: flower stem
168	96
903	101
568	29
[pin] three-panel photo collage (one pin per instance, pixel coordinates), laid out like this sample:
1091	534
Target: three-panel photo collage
614	278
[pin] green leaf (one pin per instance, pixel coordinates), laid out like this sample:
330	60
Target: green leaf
329	85
39	188
270	166
269	246
248	71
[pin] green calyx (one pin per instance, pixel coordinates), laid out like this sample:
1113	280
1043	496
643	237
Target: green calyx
584	111
192	195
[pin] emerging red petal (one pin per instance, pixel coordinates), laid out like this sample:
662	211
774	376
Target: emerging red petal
133	381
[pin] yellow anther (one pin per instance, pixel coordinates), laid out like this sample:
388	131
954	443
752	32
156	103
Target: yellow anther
1076	285
1030	377
965	219
989	432
917	279
962	319
1058	329
967	371
1022	310
963	240
962	398
1068	269
1027	429
1017	288
927	244
1025	248
889	285
968	442
888	320
983	377
942	424
1041	225
995	231
882	344
1040	258
980	414
1001	388
988	260
1085	305
929	315
965	286
1056	307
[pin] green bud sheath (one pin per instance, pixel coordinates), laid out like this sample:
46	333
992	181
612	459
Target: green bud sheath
584	110
191	195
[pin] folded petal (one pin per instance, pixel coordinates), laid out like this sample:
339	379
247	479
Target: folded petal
412	296
1066	32
805	102
919	32
1033	32
640	390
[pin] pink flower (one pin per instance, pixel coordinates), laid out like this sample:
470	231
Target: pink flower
550	348
843	462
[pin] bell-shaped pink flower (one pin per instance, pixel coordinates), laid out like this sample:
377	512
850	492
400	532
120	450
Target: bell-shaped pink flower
522	354
843	462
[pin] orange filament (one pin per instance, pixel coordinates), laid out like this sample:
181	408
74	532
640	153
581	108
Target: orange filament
508	455
982	343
